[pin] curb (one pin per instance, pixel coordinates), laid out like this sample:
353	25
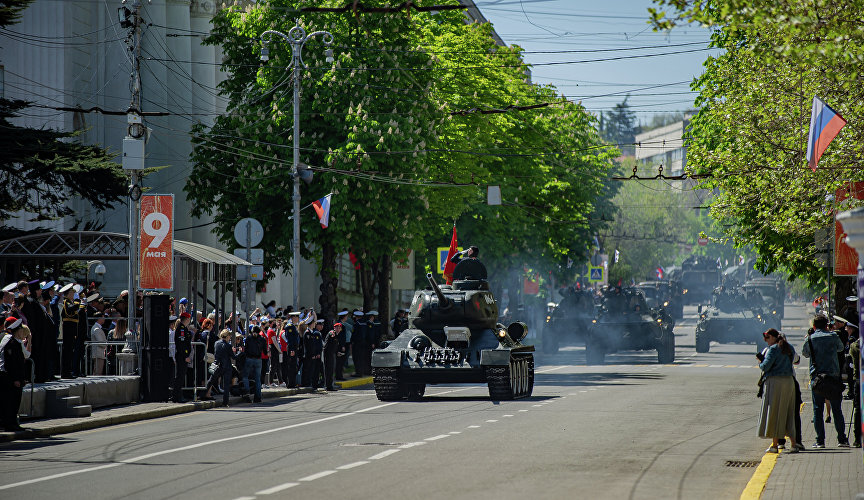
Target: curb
357	382
107	421
754	488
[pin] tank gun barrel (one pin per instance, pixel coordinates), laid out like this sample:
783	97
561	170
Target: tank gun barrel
443	301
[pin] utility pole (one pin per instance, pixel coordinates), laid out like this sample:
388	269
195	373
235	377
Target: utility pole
133	154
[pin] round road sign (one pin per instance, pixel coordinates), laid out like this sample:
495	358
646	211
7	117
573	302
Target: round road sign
250	229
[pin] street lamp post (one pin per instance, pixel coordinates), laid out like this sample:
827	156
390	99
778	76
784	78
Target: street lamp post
297	37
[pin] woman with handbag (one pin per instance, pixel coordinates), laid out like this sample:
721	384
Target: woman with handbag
777	417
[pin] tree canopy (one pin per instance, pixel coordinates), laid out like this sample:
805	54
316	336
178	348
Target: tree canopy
750	136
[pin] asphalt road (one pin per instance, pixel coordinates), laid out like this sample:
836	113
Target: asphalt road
628	429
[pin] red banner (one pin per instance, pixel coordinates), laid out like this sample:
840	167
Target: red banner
156	255
845	257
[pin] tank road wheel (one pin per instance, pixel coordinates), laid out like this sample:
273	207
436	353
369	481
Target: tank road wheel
666	348
513	381
415	392
595	354
703	343
387	386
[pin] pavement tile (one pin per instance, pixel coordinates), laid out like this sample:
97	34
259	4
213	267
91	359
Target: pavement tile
828	473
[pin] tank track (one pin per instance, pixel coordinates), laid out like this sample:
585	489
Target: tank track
387	386
514	381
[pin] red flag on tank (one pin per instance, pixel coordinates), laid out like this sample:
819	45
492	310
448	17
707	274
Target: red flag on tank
450	266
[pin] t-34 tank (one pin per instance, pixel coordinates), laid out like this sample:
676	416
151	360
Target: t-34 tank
454	337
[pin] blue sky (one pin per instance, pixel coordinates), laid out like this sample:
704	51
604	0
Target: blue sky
656	84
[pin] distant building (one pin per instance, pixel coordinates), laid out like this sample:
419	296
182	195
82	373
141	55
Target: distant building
664	146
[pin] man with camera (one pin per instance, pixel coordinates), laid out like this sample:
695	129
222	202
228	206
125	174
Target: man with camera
822	347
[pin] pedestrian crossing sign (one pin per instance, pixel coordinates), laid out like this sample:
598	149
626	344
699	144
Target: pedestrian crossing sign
442	257
595	274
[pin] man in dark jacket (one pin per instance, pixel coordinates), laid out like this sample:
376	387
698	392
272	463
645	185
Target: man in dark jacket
358	344
224	354
182	354
291	335
332	345
254	346
822	348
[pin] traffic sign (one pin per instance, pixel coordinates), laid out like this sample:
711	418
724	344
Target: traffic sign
248	227
702	242
254	273
254	256
595	274
442	257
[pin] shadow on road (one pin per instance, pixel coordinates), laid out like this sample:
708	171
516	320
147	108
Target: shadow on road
593	379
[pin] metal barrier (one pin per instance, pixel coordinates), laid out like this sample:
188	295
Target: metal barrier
88	351
195	385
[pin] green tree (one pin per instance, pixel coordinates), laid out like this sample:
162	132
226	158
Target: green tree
43	168
750	136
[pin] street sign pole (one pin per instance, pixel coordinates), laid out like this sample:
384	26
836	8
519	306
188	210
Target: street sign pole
248	283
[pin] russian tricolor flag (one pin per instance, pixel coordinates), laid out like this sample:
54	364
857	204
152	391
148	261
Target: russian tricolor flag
322	208
825	124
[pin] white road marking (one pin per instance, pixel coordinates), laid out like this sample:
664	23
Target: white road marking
245	498
323	473
411	445
352	465
436	438
505	416
455	432
491	421
536	406
522	411
186	448
475	426
583	391
385	453
592	389
715	366
549	369
276	489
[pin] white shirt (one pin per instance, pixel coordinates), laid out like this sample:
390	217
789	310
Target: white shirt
97	334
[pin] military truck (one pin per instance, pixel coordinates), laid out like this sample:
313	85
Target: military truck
625	322
568	321
454	337
733	316
666	294
698	277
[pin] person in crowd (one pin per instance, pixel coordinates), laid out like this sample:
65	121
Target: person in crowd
399	323
796	360
358	344
313	345
14	350
822	347
291	336
97	336
224	353
855	384
332	347
373	338
344	317
777	418
182	354
273	340
270	307
254	346
265	354
51	329
69	332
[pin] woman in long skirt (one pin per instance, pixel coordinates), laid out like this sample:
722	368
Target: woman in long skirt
777	418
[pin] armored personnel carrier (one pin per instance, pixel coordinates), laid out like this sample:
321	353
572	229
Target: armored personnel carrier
733	316
569	320
454	337
773	292
625	322
666	294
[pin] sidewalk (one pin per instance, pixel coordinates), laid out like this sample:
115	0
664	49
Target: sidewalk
144	411
830	473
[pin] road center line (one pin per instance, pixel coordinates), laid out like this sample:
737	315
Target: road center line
385	453
185	448
411	445
473	426
436	438
491	421
352	465
276	489
319	475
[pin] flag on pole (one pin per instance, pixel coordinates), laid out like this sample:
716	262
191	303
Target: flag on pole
659	273
450	266
617	255
825	124
322	208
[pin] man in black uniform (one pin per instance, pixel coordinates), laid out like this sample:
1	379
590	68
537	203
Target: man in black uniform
69	318
358	344
292	340
12	373
332	345
373	338
182	354
313	345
